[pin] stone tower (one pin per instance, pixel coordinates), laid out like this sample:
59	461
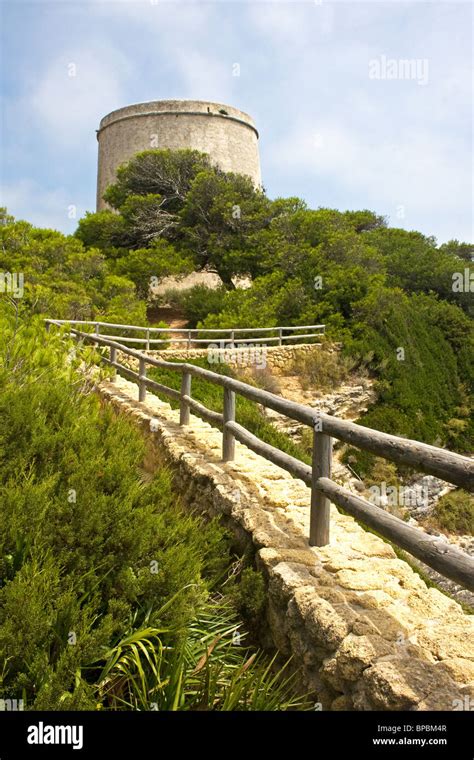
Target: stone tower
228	135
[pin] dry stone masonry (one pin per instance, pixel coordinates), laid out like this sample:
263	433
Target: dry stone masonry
276	358
364	629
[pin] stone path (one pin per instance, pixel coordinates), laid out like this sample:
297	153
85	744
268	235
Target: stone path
349	401
362	627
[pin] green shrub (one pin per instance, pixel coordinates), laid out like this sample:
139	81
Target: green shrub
94	555
80	532
454	512
196	303
249	593
322	369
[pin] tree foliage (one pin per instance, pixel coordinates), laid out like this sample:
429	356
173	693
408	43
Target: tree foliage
377	289
65	280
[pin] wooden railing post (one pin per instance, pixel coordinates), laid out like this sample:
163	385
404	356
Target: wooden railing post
320	504
280	334
228	440
184	406
97	328
142	383
113	359
189	339
148	340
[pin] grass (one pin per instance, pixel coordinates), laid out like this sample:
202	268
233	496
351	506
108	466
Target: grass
208	669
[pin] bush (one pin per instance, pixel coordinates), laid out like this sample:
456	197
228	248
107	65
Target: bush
81	532
321	369
455	512
249	594
108	586
197	302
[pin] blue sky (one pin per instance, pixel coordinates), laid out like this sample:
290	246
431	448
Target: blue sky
330	131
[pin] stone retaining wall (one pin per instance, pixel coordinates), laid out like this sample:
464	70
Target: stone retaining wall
276	358
361	625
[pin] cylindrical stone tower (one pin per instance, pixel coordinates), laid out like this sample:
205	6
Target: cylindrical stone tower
228	135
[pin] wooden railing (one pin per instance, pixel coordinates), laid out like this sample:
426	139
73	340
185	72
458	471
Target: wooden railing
453	468
240	335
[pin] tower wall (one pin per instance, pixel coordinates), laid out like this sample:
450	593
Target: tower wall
228	135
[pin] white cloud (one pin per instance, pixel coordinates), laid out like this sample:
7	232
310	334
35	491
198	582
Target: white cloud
75	91
304	73
415	171
189	46
203	76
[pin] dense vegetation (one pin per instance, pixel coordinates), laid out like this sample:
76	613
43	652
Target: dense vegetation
392	297
111	595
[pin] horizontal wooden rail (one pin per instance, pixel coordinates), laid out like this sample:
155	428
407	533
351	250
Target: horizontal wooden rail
438	554
240	343
447	465
194	330
207	414
285	461
171	392
297	337
139	341
192	335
